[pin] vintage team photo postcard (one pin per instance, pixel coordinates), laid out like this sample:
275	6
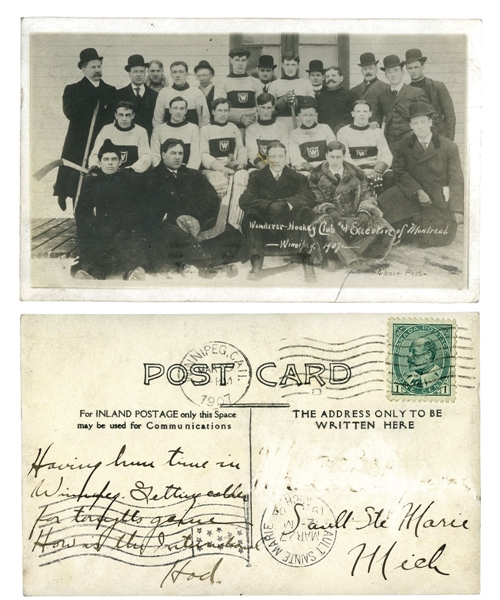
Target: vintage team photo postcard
250	160
271	455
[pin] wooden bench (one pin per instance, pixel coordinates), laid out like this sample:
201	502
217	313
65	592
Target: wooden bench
53	238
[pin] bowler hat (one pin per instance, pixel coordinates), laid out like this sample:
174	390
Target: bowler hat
392	61
136	60
420	109
266	61
413	55
367	59
306	102
315	66
204	64
239	52
87	55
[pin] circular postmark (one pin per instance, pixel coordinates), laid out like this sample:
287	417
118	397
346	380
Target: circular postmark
422	359
297	531
218	374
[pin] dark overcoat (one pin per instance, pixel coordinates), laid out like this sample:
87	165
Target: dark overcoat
430	170
371	94
396	111
263	190
79	102
144	108
439	97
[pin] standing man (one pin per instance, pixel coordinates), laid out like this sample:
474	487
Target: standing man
178	126
197	109
156	78
394	103
277	205
265	71
129	138
204	73
436	91
290	90
371	86
316	76
264	131
428	200
367	147
308	143
241	90
79	102
335	103
142	97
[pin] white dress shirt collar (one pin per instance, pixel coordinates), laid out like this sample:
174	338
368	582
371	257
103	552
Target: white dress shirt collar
398	87
340	172
94	83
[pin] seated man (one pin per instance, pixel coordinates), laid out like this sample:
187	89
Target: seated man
367	148
106	221
223	154
131	139
179	128
308	143
349	225
277	205
428	200
266	130
179	204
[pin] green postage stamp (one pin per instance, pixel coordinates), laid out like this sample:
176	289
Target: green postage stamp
422	360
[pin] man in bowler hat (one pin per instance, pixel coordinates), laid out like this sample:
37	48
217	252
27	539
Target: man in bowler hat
79	102
204	73
138	93
316	75
371	87
265	71
427	202
436	91
394	102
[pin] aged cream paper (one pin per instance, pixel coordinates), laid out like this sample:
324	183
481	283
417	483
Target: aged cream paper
50	55
262	454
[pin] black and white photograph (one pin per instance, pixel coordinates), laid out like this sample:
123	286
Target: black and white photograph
256	165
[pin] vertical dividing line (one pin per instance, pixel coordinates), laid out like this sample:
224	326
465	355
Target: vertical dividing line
250	509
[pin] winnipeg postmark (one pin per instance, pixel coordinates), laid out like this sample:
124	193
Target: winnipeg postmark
421	361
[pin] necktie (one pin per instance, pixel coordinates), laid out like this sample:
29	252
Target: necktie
337	178
424	145
138	93
277	176
394	93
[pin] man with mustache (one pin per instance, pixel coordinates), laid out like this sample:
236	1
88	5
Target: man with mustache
423	372
335	103
371	87
79	102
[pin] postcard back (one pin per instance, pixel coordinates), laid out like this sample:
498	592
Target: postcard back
224	455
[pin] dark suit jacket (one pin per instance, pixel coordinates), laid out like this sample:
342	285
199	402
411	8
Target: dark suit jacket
437	167
190	193
263	190
396	111
79	102
371	94
439	97
144	109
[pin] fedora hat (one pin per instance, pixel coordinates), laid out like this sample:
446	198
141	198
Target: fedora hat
136	60
367	59
392	61
413	55
204	64
239	51
87	55
420	109
315	66
266	61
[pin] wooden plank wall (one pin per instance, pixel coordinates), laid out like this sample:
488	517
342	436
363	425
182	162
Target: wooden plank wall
446	62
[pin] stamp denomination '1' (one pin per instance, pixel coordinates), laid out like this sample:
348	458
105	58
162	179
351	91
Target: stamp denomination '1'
295	530
422	360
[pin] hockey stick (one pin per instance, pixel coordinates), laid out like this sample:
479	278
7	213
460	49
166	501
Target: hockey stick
60	162
220	225
294	116
86	153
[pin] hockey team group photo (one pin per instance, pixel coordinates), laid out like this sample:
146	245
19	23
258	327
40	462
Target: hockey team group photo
248	159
